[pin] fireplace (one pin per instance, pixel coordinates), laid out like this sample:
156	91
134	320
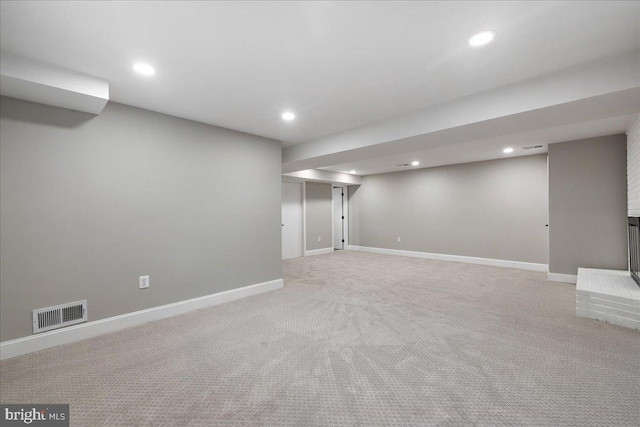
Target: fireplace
613	296
634	248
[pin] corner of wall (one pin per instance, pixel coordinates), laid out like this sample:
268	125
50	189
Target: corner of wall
633	167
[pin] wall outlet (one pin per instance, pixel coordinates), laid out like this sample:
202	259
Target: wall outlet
399	239
143	282
319	239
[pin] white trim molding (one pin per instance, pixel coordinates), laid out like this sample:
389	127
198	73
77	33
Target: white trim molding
457	258
74	333
318	251
562	278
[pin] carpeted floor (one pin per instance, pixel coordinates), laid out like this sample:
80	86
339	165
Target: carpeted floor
354	339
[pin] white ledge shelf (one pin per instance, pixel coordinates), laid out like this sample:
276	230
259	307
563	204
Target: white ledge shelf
609	296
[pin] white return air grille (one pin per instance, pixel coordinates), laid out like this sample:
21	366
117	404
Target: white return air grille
45	319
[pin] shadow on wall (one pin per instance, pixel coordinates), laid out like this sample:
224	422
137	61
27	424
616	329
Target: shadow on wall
31	112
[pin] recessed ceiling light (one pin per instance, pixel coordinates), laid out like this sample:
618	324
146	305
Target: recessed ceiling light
144	69
482	38
415	163
352	172
288	116
508	150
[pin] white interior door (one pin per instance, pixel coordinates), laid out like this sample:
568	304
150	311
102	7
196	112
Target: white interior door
338	218
291	220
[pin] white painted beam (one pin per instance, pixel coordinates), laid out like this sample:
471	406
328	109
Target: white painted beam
325	176
598	90
34	81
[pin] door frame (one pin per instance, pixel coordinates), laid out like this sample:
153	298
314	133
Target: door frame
345	214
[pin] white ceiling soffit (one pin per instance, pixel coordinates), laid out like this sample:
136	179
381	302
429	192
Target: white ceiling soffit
34	81
602	89
487	149
325	176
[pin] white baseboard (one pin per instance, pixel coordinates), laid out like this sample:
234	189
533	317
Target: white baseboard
457	258
562	278
70	334
319	251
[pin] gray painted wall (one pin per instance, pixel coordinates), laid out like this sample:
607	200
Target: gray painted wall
588	204
493	209
319	215
89	203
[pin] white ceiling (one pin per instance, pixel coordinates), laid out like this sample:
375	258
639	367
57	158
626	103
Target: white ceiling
338	65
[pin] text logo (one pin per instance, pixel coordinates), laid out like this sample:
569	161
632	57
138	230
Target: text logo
36	415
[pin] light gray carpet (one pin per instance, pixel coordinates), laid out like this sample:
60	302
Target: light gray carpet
354	339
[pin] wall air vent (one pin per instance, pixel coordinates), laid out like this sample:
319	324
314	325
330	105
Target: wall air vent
532	147
401	165
59	316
